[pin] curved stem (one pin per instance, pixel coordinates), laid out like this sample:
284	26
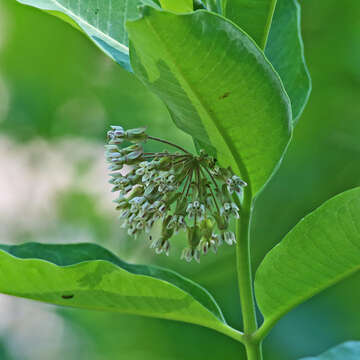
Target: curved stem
245	283
230	332
168	143
264	329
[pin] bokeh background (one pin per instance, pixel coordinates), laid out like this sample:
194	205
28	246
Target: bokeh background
59	94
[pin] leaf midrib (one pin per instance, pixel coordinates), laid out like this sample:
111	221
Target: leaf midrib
236	156
268	23
81	20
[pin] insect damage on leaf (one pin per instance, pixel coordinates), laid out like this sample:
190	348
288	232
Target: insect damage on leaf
224	96
179	190
67	296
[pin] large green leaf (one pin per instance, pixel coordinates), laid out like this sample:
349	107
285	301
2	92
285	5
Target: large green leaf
285	50
217	85
90	277
321	250
346	351
102	21
254	17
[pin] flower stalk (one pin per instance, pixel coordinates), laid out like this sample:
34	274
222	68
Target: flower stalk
245	282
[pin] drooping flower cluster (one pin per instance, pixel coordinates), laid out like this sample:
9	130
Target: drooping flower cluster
180	190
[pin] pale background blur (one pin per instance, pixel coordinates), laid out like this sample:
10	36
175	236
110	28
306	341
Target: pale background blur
59	94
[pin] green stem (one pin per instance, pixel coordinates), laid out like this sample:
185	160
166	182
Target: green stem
268	24
253	351
245	283
265	328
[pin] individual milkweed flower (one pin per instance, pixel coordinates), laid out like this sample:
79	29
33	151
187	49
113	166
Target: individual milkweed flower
210	240
235	184
181	191
161	246
194	237
177	223
117	135
229	209
228	237
196	209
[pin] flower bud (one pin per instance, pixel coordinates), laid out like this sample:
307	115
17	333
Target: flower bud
136	135
116	135
206	227
229	237
221	221
194	236
133	158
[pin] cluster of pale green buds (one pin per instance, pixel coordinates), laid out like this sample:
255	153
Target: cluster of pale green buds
179	190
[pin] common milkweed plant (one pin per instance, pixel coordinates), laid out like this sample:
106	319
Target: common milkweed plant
232	75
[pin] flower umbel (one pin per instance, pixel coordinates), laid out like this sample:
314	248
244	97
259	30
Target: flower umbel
183	191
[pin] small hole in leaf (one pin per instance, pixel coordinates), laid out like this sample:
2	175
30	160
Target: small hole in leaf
67	296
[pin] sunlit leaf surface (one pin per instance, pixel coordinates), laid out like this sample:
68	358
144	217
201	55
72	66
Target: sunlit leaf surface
177	5
217	85
88	276
321	250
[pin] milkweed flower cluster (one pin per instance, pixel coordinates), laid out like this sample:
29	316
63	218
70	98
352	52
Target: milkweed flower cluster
183	191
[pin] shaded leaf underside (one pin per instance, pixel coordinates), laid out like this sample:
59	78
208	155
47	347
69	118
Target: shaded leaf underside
103	21
254	17
346	351
284	45
285	50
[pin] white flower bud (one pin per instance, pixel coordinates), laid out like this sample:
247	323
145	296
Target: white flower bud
188	255
229	237
197	256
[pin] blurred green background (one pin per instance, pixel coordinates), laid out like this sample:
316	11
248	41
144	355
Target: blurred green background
59	94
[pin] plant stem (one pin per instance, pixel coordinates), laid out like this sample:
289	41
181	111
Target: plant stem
168	143
245	283
253	351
